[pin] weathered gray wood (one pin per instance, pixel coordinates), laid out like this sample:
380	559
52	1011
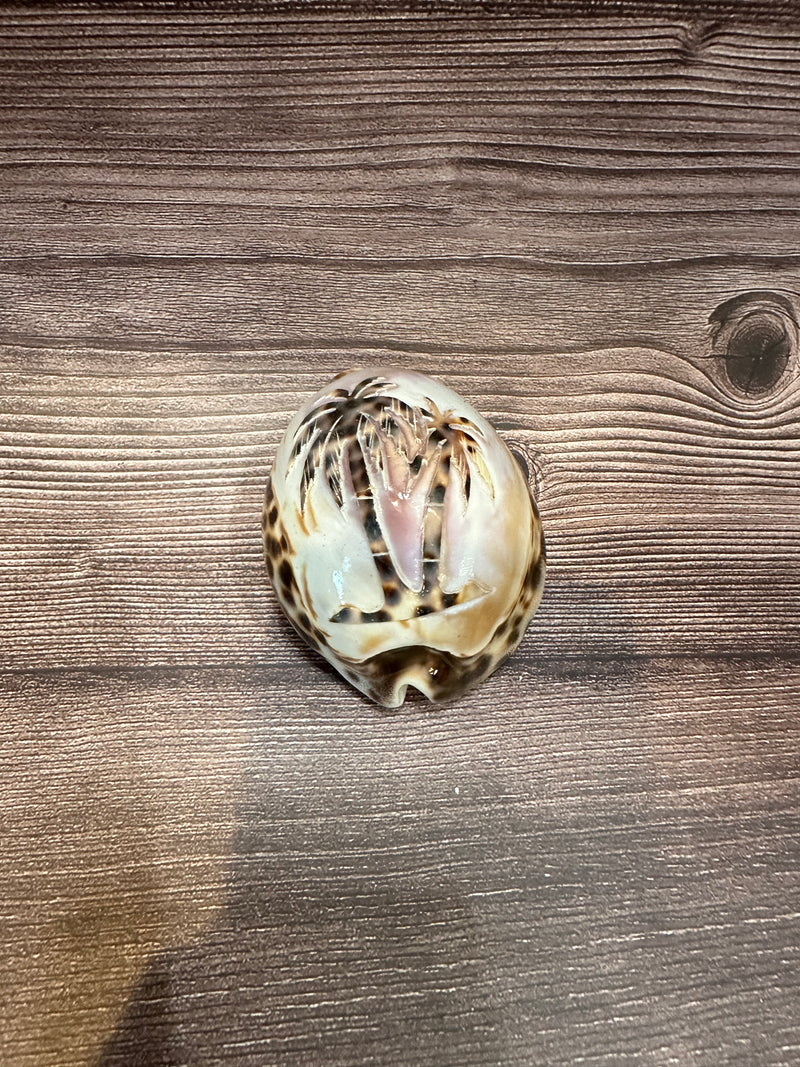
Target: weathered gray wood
212	851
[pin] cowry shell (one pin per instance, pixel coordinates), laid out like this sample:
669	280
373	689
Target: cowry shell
401	536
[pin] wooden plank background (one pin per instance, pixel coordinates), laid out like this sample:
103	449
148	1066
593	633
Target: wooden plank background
213	851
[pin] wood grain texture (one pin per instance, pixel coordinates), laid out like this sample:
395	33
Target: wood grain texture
212	851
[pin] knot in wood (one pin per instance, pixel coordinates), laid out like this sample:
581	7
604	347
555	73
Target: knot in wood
755	335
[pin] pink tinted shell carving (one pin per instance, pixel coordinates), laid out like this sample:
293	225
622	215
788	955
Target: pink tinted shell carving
401	536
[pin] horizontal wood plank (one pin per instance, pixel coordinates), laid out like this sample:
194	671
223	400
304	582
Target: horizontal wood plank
323	867
136	501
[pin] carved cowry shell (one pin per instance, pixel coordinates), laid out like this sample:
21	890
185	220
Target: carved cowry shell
401	537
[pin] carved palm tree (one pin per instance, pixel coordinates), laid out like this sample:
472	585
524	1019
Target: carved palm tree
405	474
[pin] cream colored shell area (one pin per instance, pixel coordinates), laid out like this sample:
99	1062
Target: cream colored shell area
333	562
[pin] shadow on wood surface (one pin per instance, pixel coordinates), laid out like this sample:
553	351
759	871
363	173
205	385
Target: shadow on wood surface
515	885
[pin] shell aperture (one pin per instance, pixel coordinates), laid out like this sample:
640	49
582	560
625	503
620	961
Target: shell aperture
401	536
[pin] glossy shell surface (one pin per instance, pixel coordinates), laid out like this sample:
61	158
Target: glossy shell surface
401	536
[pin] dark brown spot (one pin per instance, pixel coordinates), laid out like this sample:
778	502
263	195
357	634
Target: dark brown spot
358	470
384	565
285	573
430	574
391	594
371	526
483	663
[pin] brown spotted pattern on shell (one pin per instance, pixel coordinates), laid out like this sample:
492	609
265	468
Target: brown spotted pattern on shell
401	536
